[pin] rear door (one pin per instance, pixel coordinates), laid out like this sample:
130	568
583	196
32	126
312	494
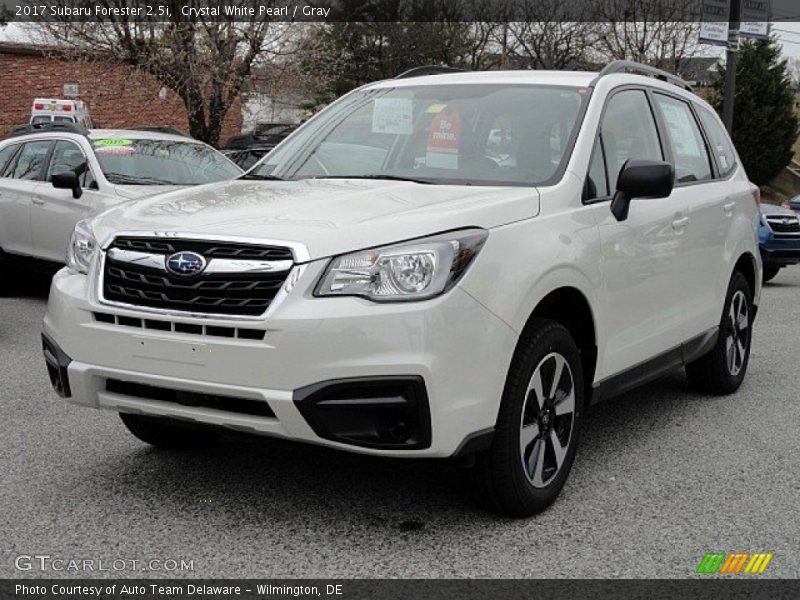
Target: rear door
20	179
54	211
708	211
7	207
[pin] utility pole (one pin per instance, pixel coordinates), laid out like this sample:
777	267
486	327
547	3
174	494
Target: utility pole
730	66
504	48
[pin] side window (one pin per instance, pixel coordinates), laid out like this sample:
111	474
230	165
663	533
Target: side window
686	139
31	160
6	154
66	157
721	145
597	182
629	131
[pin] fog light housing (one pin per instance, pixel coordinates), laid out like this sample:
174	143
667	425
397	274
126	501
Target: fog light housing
389	413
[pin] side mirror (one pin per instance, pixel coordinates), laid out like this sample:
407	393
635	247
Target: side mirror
67	181
641	179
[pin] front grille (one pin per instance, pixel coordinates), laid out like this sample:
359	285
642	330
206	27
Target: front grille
208	249
244	406
235	294
781	225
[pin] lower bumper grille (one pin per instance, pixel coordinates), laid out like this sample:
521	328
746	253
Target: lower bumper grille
244	406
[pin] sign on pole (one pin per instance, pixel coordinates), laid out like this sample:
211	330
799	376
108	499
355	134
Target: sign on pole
755	19
715	23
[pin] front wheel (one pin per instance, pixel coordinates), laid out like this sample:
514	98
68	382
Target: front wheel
722	370
167	434
536	436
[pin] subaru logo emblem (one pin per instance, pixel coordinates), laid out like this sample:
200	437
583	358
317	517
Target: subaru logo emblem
186	263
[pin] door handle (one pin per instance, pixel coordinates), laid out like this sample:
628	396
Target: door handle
37	201
728	208
680	223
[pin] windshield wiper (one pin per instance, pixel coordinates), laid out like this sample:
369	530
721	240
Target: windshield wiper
378	177
122	179
262	177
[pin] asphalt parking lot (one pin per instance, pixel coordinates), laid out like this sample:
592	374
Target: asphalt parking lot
663	476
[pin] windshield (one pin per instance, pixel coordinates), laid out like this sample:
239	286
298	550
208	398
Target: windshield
446	134
161	162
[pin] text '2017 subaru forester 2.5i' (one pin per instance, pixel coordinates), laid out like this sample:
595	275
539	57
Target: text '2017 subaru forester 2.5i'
434	266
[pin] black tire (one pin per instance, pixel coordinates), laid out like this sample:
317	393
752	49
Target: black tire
770	273
719	372
500	481
166	433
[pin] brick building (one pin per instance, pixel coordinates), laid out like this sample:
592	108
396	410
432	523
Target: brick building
118	95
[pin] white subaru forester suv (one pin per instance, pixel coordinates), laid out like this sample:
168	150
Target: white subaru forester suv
438	265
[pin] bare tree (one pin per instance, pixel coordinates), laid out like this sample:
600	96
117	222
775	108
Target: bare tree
550	34
662	33
204	59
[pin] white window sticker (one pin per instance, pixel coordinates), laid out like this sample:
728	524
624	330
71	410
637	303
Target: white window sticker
681	130
392	115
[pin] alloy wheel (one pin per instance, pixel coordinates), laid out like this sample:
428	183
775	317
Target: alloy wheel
548	415
738	332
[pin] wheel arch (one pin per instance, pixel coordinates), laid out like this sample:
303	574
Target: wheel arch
747	265
571	308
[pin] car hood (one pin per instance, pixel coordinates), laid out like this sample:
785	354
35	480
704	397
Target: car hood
327	216
136	192
780	211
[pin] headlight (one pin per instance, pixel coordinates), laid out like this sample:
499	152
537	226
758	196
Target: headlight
81	248
414	270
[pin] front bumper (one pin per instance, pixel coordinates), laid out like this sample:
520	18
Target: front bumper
437	368
779	252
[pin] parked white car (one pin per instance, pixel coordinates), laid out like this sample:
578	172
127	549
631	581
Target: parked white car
380	284
54	175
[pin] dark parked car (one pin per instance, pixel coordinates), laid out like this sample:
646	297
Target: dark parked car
246	150
779	239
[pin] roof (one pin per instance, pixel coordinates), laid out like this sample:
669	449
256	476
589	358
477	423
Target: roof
137	134
96	134
565	78
570	78
45	51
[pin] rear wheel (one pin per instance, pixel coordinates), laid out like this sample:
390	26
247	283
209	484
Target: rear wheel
722	370
165	433
536	436
770	273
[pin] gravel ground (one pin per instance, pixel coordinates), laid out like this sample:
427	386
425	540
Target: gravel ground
663	476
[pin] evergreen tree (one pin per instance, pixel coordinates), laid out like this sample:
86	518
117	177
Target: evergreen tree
765	125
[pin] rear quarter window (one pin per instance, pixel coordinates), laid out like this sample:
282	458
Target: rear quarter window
721	145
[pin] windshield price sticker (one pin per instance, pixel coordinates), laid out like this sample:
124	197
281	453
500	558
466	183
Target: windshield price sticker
392	115
111	142
115	150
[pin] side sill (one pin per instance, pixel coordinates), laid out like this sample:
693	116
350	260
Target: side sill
655	367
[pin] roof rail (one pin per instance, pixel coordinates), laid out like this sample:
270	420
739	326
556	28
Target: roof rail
161	129
48	127
627	66
428	70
